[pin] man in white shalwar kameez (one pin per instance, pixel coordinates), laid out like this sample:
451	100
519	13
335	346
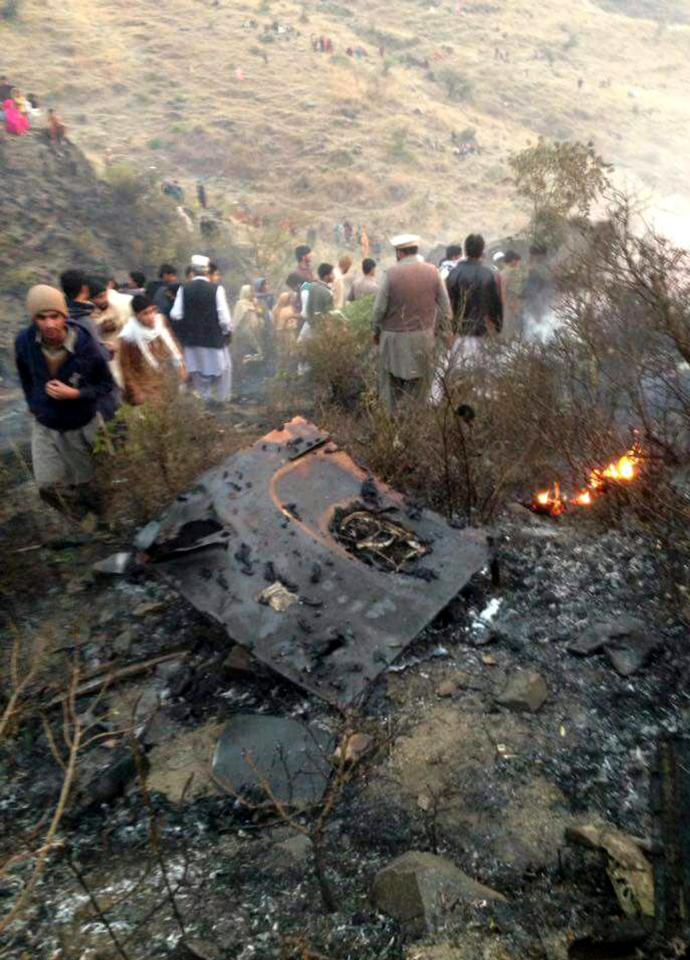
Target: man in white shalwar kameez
202	322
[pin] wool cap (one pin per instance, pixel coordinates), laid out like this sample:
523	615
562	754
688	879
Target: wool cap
42	298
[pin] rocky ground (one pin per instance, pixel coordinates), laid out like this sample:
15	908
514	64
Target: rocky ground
521	711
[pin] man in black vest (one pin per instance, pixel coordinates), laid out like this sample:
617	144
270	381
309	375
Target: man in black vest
202	322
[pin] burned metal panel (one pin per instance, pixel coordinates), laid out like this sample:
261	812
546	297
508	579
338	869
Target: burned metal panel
262	517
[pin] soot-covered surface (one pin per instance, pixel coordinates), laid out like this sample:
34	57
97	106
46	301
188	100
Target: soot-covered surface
264	517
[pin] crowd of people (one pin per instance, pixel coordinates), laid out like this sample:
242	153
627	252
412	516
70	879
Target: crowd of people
424	318
92	343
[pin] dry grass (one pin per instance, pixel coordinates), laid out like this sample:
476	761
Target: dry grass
154	452
252	137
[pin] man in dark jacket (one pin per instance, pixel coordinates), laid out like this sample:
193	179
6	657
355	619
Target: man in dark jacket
167	274
75	287
474	293
64	376
83	312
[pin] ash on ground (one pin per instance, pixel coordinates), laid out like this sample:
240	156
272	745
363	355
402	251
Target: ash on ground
511	719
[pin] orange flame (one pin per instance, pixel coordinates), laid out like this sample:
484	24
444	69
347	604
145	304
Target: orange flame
624	470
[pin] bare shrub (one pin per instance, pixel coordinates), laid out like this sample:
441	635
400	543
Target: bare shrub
151	453
615	373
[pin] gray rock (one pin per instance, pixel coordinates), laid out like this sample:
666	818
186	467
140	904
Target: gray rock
295	851
122	643
595	636
113	566
628	654
293	759
418	888
196	950
147	535
525	690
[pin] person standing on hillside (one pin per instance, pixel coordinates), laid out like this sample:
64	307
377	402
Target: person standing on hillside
167	273
137	282
149	354
201	194
321	294
410	310
64	376
367	285
56	128
342	284
453	257
76	289
203	324
165	296
248	333
107	321
475	298
303	256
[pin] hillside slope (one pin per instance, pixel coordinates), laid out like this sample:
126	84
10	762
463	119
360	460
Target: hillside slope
306	137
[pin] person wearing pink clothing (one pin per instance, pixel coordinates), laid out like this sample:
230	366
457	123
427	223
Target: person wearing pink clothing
15	121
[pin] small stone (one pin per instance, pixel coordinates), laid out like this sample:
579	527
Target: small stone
114	565
144	609
168	669
123	642
595	636
90	523
488	660
77	585
356	747
295	850
525	690
240	663
418	888
147	535
196	950
447	689
629	654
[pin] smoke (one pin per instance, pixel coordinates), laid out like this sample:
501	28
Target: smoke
540	328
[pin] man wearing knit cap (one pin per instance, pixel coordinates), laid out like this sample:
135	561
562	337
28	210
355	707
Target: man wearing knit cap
411	309
202	322
64	375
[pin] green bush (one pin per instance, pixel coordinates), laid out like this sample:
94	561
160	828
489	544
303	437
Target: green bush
458	86
127	183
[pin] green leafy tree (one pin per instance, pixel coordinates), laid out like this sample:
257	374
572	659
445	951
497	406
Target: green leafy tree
558	180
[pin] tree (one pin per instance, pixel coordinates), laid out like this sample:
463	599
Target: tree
457	85
558	180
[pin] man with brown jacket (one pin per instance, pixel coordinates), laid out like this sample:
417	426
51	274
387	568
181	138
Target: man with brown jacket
411	309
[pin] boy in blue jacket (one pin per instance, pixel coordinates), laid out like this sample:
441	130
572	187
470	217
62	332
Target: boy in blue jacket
64	376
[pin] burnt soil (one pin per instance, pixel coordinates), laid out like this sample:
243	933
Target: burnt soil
505	784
